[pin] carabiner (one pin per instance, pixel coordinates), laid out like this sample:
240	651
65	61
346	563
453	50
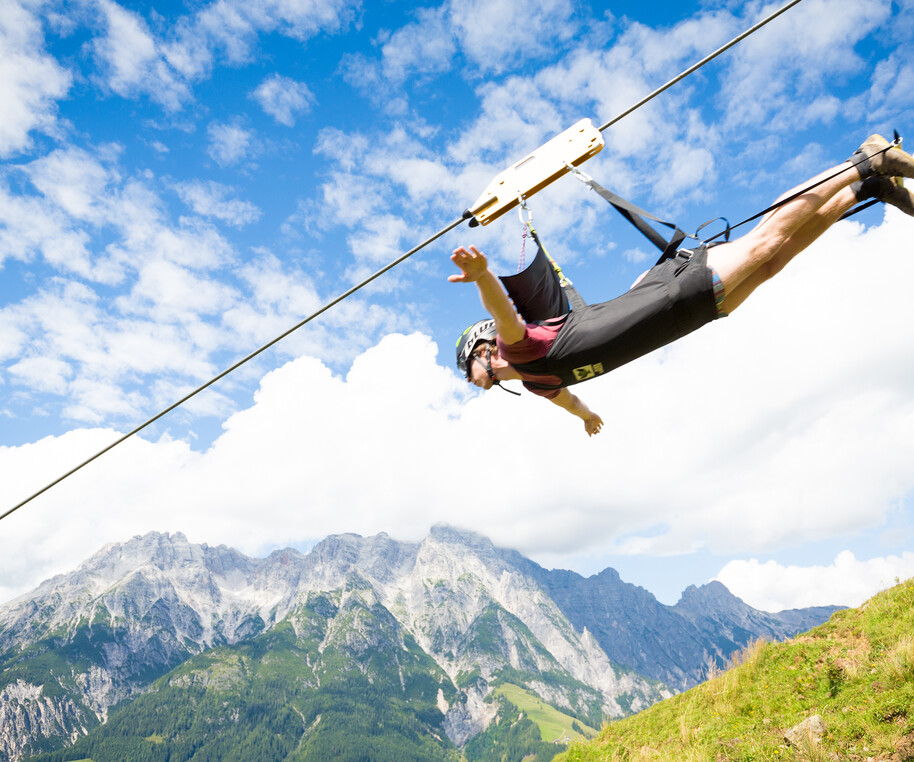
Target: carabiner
582	176
521	208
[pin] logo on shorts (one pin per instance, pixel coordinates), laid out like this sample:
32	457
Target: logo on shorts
588	371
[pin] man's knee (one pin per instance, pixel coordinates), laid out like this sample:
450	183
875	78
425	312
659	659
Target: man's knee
737	260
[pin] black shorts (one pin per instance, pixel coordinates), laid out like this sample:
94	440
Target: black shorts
673	299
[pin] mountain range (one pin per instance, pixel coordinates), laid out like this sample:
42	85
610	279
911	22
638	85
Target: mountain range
157	648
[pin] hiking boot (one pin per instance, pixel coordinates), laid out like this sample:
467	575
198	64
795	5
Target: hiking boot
889	190
875	157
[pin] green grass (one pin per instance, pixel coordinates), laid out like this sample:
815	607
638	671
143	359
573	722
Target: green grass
856	671
552	723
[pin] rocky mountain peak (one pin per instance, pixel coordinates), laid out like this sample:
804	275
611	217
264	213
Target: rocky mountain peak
160	555
462	543
450	535
713	594
378	557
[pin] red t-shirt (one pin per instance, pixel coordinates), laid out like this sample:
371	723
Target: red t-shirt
535	344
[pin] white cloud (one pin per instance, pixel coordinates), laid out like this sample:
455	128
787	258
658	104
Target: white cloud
789	61
81	194
497	35
210	199
75	181
772	428
491	37
31	227
67	344
146	234
133	61
170	293
231	28
636	256
229	143
283	98
291	293
30	80
847	581
174	304
423	47
136	61
892	91
43	374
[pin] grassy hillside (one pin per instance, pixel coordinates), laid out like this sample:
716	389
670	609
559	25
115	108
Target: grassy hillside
553	724
856	672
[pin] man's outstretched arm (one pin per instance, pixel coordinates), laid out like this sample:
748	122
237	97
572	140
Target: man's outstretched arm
475	269
573	404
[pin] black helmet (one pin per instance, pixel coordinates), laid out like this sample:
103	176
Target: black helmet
484	330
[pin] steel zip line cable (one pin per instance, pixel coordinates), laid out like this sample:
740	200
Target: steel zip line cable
466	216
242	361
701	63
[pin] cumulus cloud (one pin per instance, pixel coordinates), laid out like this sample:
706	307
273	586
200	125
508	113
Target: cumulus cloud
848	581
497	35
283	98
132	60
228	30
44	374
779	427
229	143
81	193
75	181
31	81
135	61
493	36
788	63
422	47
160	307
32	227
211	199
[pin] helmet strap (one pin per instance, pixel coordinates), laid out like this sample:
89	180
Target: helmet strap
495	381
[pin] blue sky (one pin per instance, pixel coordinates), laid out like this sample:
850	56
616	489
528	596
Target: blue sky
180	183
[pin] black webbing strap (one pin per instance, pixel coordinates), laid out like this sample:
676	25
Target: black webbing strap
636	216
858	209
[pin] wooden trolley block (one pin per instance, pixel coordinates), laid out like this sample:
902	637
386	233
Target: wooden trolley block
534	172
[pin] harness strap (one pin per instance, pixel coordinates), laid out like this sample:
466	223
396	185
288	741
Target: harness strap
859	208
636	216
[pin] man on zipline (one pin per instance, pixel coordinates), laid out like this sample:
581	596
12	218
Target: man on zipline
673	298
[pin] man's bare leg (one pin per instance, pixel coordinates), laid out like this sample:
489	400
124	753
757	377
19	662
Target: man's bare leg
782	234
822	220
746	259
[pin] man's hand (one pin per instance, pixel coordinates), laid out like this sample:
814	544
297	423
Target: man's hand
475	269
472	264
593	424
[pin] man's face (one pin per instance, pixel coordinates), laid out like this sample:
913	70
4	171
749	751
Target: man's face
478	374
